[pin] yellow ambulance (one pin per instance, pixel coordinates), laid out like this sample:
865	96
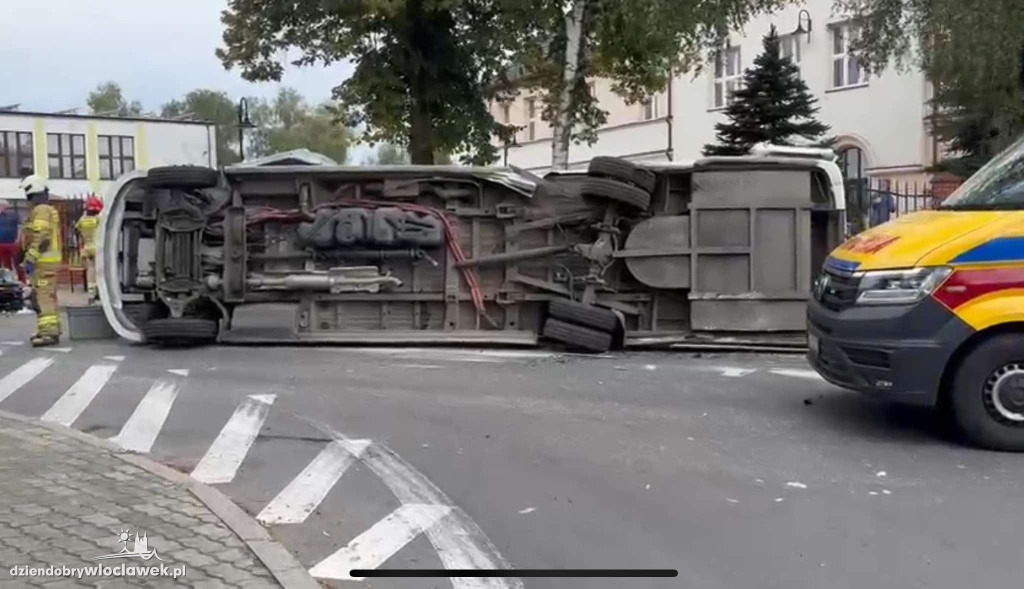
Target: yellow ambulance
929	308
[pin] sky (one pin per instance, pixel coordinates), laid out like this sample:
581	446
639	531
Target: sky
53	52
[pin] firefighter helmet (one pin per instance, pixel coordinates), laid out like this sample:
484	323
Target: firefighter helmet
93	204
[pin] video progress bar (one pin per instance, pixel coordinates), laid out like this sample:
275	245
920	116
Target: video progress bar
579	573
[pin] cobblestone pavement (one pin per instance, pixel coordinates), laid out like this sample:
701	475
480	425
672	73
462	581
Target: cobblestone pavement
64	502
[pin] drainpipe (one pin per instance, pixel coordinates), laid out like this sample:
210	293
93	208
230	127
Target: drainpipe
209	147
668	117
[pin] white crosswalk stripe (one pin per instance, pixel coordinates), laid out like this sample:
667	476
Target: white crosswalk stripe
225	455
74	401
374	546
734	372
296	501
22	375
143	426
458	540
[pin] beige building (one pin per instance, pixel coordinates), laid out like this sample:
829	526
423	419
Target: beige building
881	120
85	154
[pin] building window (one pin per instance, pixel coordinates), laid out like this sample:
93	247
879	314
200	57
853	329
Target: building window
15	154
789	46
846	68
66	155
531	118
117	156
728	75
506	113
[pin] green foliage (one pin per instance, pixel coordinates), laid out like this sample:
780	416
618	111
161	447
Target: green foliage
213	106
638	44
289	123
772	105
423	68
973	53
107	99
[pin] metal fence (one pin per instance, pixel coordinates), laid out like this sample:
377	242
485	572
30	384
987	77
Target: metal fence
873	201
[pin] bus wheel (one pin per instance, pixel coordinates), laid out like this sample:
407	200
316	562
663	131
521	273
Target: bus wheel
988	394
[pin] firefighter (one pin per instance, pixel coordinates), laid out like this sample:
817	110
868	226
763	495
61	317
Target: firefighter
42	258
86	227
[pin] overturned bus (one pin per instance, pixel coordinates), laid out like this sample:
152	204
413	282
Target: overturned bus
721	250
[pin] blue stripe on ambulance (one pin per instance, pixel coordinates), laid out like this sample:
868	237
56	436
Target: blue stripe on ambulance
1000	249
841	265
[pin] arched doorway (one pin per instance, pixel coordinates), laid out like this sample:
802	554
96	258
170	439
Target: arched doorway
852	163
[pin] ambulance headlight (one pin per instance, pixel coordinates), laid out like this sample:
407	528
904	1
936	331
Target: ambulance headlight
899	287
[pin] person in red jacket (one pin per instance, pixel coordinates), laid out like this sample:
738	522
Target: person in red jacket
9	239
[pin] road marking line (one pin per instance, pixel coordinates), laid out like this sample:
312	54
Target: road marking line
21	375
61	350
143	426
74	401
374	546
732	371
114	358
226	453
419	366
12	343
458	540
796	372
179	371
305	492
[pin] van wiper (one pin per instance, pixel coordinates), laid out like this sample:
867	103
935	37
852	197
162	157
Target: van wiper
991	206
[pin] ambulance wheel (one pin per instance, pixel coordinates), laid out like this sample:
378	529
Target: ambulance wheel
987	397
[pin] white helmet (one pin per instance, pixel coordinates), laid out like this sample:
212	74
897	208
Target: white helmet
33	184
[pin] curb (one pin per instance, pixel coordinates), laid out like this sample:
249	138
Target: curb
284	567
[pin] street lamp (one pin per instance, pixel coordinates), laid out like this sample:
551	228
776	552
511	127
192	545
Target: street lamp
802	17
244	122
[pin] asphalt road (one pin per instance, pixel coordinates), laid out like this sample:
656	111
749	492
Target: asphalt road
737	470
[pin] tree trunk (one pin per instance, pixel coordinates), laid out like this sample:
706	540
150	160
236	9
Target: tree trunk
421	128
562	124
421	135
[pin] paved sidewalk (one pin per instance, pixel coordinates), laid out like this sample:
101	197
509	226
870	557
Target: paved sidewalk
64	502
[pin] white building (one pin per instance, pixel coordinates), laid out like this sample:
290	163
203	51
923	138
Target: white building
83	154
881	121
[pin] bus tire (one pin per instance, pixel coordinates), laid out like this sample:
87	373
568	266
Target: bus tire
623	171
585	315
987	396
184	331
577	336
182	177
613	190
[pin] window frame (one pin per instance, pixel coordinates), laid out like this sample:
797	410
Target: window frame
72	156
840	54
721	78
20	156
107	162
